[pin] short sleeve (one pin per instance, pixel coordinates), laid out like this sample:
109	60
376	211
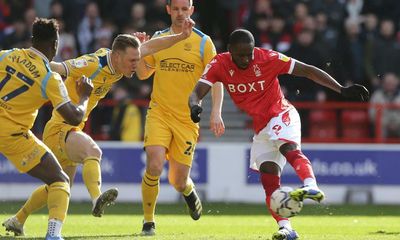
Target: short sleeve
150	61
211	72
56	91
83	65
209	51
282	63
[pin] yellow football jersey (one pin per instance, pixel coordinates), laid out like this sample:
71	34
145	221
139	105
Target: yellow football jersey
98	68
177	70
26	83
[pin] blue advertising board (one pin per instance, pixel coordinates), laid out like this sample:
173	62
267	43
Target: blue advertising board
119	165
364	167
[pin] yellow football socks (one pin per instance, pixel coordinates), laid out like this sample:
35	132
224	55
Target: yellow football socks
150	189
58	200
91	174
36	201
189	188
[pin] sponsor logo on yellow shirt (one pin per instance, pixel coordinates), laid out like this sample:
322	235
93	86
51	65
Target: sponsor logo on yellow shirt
176	65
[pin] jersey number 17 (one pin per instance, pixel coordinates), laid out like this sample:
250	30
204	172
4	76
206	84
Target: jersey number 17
10	72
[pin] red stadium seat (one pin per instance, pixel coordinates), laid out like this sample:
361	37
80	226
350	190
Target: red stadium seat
323	124
355	124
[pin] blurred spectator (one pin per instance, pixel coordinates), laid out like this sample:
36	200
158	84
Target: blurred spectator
158	17
5	12
277	39
370	26
305	50
18	9
326	35
262	7
104	36
334	9
384	56
285	8
260	30
300	15
352	54
29	17
66	44
88	28
126	121
42	7
258	21
370	34
388	93
56	10
138	16
309	23
117	10
17	35
218	19
383	9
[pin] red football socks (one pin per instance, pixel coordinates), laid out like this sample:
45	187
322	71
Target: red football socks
301	164
271	183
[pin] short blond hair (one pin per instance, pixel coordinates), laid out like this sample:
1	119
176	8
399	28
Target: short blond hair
123	41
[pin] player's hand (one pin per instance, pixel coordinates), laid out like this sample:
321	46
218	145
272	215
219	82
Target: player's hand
84	87
142	36
217	125
195	111
187	28
356	91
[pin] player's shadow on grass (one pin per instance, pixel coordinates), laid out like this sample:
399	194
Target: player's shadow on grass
22	238
383	232
120	236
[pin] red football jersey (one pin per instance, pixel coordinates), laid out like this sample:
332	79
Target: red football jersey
255	90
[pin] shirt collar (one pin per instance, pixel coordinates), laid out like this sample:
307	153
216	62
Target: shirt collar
39	53
110	66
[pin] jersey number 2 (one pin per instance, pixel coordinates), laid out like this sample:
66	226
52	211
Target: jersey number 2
11	71
190	149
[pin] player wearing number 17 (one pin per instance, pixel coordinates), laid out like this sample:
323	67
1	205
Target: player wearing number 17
27	83
68	142
250	76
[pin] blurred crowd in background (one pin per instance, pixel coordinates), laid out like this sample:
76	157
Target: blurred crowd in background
356	41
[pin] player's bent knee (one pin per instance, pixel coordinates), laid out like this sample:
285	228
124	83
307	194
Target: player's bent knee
154	168
95	151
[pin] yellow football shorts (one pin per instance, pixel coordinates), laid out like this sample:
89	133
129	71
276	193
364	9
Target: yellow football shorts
179	138
54	136
23	149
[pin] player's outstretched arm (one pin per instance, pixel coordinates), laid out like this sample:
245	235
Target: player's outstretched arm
199	91
217	125
356	91
157	44
74	114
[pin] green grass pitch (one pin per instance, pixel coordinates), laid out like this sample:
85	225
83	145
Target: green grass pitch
219	221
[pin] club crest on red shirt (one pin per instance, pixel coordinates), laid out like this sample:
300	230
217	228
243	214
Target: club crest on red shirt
257	70
286	118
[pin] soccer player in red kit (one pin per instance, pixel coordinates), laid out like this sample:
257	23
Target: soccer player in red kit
250	76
